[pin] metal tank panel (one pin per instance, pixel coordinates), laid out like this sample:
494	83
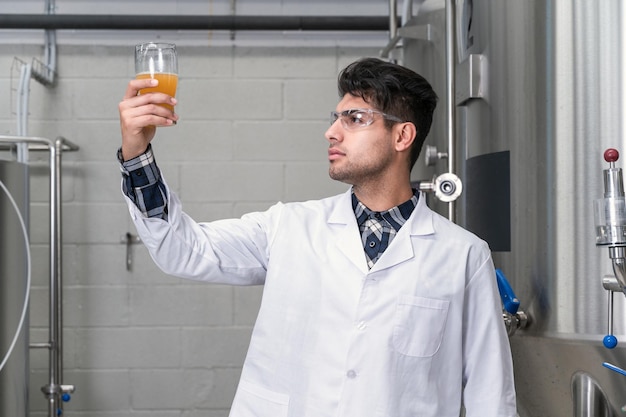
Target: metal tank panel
13	270
540	91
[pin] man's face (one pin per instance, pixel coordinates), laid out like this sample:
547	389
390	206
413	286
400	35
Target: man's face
358	152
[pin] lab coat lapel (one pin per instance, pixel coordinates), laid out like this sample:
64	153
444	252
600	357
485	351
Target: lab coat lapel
402	247
348	240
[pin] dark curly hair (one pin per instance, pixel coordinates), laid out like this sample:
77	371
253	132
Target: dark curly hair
395	90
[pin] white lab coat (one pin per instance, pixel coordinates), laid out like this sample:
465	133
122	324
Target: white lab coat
416	336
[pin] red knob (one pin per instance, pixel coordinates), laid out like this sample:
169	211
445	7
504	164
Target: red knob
611	155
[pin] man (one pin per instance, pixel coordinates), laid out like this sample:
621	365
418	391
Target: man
373	305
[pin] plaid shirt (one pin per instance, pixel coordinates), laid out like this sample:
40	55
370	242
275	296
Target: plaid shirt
142	183
379	228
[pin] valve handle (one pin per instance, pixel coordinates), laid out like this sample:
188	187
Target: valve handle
614	368
509	300
65	397
611	155
609	341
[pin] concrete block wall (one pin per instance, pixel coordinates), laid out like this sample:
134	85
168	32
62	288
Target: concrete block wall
138	342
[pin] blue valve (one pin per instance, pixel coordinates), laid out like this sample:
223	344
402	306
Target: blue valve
509	300
609	341
65	397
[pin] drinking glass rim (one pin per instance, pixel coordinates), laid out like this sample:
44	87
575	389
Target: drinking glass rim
155	45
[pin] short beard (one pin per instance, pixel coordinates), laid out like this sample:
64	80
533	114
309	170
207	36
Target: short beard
358	174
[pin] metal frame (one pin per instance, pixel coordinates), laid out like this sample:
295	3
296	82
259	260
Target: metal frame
55	389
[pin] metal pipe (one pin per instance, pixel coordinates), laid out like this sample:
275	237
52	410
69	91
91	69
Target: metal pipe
610	313
53	369
50	50
618	259
407	11
55	308
21	110
393	18
39	346
193	22
588	397
450	95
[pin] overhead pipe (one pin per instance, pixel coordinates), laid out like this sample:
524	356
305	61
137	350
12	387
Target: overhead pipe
193	22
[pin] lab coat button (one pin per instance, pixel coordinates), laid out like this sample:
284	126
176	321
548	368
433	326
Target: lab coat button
361	325
351	374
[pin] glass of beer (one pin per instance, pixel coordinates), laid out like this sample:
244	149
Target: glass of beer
158	61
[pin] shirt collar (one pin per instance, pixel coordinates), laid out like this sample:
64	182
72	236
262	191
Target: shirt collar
395	216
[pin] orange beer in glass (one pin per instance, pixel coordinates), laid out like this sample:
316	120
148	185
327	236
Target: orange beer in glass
157	61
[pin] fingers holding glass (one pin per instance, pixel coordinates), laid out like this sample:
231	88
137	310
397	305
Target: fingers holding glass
157	61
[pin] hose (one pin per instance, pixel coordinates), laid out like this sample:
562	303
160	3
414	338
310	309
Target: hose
20	325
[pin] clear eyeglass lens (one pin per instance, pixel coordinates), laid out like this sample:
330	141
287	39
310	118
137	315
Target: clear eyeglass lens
358	118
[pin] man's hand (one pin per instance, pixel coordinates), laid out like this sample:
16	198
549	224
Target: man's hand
140	115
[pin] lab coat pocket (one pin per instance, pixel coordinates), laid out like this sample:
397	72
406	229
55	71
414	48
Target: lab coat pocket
419	325
253	400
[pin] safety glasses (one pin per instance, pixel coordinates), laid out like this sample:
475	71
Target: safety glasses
354	119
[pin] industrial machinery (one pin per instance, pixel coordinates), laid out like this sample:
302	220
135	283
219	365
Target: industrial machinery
531	95
15	278
13	288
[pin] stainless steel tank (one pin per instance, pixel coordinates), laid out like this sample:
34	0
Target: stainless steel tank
13	281
540	91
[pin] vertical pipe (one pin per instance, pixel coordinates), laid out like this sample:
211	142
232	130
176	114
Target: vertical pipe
233	12
23	147
19	106
55	306
407	11
450	98
610	313
393	19
622	53
58	239
52	309
22	111
25	93
50	54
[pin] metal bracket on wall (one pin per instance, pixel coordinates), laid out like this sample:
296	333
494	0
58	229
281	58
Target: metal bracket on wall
420	32
405	31
45	72
471	80
129	239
